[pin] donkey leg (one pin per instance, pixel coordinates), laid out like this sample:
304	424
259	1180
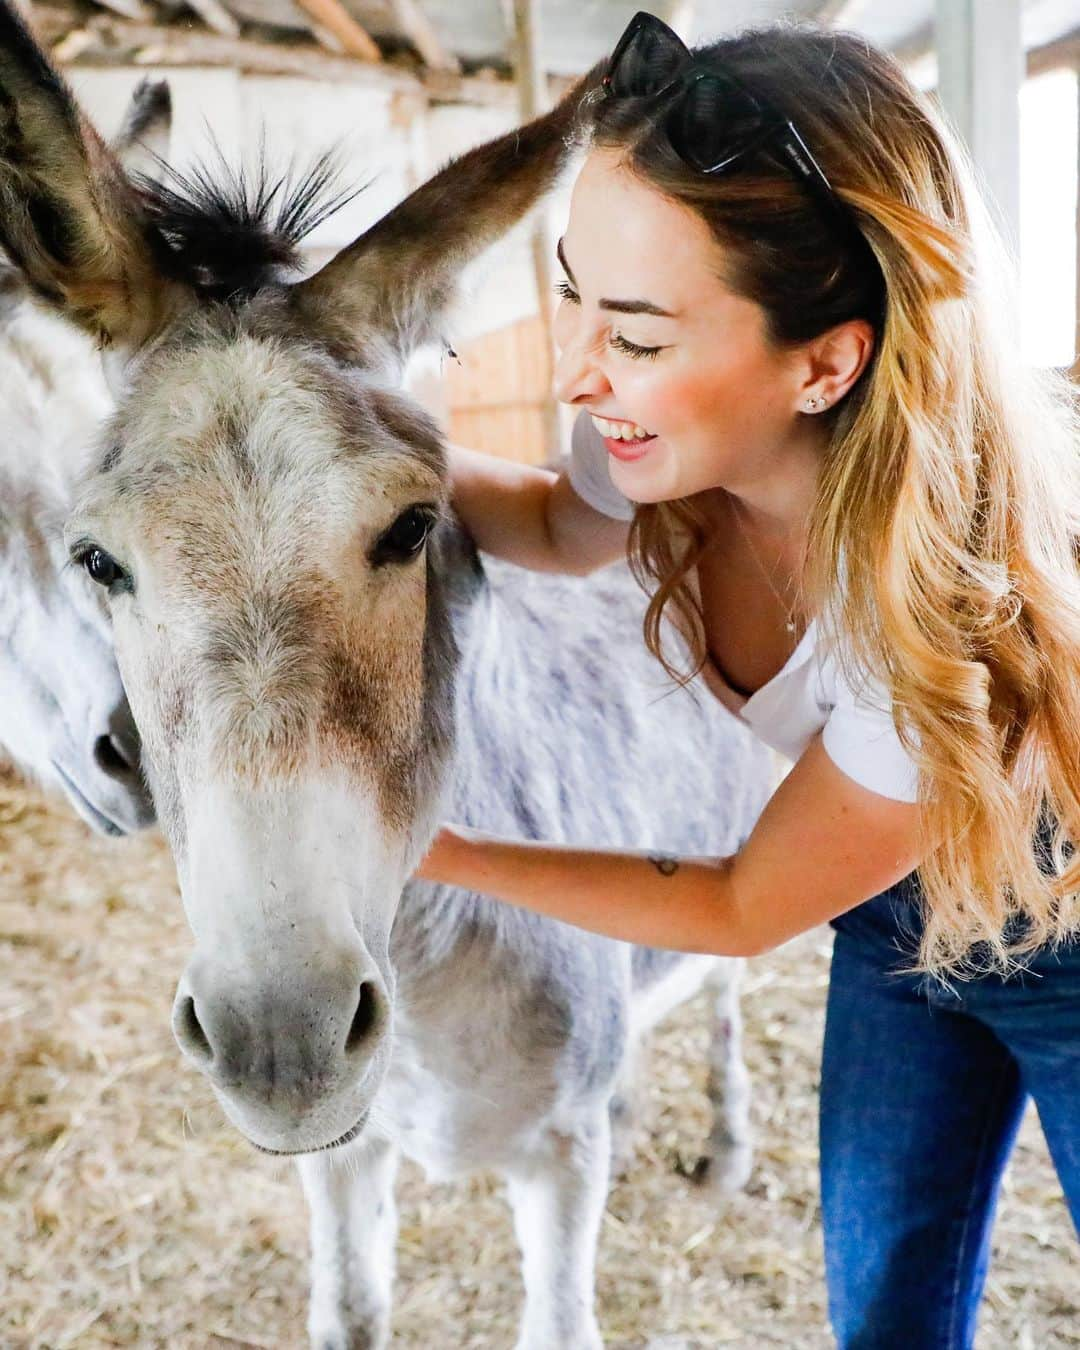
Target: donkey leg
727	1165
353	1234
558	1199
623	1113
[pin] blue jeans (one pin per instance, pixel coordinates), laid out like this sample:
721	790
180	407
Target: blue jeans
922	1091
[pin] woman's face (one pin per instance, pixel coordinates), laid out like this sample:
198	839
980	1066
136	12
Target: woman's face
651	340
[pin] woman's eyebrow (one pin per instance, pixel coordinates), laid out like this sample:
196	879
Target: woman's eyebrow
617	306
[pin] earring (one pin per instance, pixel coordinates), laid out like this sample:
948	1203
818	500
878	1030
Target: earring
812	404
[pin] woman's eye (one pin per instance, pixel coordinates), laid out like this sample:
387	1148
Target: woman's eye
102	567
405	538
629	348
564	289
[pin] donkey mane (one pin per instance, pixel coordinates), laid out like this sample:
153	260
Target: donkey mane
227	231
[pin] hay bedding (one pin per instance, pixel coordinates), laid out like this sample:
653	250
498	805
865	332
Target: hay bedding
131	1215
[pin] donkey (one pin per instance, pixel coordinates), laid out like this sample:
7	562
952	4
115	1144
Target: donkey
63	715
321	669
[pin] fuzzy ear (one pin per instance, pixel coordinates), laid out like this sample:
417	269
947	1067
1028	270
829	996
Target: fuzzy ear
69	218
394	283
142	143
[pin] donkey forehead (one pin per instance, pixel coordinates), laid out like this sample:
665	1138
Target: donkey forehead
272	416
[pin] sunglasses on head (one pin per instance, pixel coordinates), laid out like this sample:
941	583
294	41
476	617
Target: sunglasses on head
714	122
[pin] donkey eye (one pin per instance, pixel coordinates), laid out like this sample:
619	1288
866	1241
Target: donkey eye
102	568
405	538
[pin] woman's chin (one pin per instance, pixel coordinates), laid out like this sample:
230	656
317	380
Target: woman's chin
647	477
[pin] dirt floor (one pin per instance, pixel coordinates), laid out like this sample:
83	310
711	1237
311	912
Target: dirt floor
131	1215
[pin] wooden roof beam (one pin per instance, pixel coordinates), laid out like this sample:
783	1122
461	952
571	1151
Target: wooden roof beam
416	26
334	18
216	17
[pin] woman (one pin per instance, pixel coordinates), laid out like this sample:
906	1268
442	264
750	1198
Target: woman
801	408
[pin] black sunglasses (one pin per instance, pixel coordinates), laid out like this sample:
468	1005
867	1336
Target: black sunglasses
714	122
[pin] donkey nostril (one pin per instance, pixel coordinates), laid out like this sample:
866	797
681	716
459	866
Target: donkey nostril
109	756
364	1019
190	1033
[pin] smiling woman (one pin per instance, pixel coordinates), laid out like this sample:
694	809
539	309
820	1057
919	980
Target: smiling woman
803	414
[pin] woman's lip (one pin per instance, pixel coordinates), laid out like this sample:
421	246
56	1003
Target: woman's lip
627	450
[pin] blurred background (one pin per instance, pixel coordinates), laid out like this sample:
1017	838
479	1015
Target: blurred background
401	85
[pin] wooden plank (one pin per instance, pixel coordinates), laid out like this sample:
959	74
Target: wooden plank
534	100
336	19
509	366
107	41
214	14
416	26
516	432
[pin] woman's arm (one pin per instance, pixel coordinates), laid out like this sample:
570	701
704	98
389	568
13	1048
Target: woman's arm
531	516
823	845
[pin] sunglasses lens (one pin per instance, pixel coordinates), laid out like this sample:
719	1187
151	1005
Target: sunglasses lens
647	62
714	123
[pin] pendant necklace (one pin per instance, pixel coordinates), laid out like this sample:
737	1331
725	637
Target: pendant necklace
789	613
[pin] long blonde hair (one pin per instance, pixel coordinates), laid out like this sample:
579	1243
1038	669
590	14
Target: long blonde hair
948	509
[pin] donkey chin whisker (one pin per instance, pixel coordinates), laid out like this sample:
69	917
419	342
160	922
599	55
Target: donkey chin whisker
346	1138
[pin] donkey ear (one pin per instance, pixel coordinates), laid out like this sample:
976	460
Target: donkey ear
395	282
69	217
142	143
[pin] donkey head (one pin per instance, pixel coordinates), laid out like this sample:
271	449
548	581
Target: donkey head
259	517
63	714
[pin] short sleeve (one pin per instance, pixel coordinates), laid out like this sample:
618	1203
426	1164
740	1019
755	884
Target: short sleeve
861	740
588	472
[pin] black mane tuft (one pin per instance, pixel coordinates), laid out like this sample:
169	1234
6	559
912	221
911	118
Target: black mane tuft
227	232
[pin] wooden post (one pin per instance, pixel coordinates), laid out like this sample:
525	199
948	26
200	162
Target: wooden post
532	101
980	69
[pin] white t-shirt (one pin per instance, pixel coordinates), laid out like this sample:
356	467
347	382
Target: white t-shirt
810	693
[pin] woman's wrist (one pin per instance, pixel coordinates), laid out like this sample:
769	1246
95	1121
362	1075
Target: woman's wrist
447	858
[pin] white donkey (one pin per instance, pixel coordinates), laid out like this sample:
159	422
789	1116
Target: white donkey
63	715
321	669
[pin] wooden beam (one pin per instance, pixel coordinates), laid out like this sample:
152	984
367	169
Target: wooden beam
336	19
128	9
216	17
1063	51
107	41
416	26
533	100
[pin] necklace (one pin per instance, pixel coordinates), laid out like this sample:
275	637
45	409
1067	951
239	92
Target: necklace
788	611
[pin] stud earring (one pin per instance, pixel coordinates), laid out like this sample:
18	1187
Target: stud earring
812	404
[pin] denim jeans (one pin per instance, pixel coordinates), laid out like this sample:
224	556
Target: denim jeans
922	1092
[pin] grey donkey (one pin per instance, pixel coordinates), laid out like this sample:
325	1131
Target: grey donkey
64	719
322	669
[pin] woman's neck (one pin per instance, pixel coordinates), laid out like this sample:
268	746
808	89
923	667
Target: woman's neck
776	504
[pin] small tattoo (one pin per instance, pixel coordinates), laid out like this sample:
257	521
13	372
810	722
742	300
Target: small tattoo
667	867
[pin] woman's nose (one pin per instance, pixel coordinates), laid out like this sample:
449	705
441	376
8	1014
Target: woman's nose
577	373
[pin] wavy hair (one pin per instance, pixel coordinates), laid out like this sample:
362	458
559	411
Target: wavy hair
943	539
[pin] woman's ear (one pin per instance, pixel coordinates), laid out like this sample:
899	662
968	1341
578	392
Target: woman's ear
834	360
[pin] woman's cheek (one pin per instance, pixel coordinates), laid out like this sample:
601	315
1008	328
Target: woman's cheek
672	401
